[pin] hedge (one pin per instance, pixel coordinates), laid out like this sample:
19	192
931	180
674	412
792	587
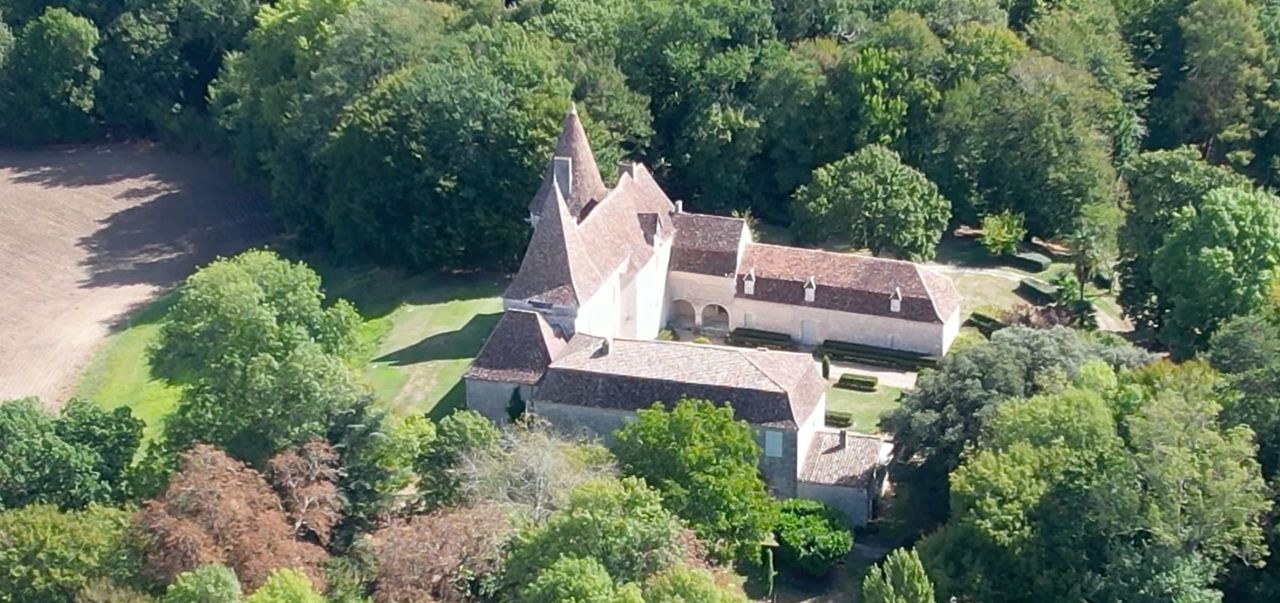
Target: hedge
1030	261
839	418
985	324
812	537
756	338
861	383
865	354
1037	290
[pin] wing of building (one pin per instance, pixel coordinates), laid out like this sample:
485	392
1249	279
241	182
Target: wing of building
608	268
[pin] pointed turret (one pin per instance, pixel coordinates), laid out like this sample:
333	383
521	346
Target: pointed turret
574	166
557	267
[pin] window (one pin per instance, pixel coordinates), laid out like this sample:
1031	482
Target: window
895	305
749	283
809	288
773	444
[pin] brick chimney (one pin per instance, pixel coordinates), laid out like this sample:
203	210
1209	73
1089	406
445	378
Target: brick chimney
562	170
844	439
679	207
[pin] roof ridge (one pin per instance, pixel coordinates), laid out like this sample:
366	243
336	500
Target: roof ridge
846	254
928	291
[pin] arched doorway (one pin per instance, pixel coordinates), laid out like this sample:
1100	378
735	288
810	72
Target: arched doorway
715	318
682	315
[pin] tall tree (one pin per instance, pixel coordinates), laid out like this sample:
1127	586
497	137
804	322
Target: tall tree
1218	261
900	578
703	461
48	94
873	199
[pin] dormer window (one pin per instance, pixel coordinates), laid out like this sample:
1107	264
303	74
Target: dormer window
809	288
895	300
749	283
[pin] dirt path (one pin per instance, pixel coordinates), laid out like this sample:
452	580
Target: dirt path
91	234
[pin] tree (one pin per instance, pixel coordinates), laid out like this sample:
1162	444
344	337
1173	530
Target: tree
1002	232
978	50
306	480
1227	73
285	586
436	556
572	580
813	538
703	461
875	200
211	583
1218	261
113	435
681	584
899	579
1160	184
1244	344
49	89
48	554
245	530
265	357
951	406
619	523
465	432
145	70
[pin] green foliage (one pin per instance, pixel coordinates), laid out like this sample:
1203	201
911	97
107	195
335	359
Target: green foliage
619	524
70	460
1001	233
703	461
899	579
572	580
461	433
212	583
1218	261
49	555
264	356
683	584
47	88
813	538
285	586
873	199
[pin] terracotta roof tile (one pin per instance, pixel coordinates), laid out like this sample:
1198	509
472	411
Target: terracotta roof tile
779	389
518	350
847	282
587	184
853	465
557	266
706	244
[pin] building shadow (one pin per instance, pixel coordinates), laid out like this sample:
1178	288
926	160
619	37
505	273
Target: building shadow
463	343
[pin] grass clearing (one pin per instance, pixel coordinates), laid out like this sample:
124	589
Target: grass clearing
420	334
866	407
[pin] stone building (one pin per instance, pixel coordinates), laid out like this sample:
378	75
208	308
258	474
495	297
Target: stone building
608	268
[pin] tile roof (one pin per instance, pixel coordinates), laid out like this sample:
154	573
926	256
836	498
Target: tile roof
557	267
518	350
847	282
586	183
852	465
706	244
779	389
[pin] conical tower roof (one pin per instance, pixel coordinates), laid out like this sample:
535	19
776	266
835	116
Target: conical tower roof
585	183
557	268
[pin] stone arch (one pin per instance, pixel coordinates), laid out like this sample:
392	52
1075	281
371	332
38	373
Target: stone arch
715	318
682	315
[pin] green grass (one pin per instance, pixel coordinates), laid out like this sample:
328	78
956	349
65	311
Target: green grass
420	333
866	407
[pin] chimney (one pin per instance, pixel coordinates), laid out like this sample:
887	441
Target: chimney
606	345
844	439
562	171
626	167
679	207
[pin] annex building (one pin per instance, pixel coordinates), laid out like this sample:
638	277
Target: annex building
608	268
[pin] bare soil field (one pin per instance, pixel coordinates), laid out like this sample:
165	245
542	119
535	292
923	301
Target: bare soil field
89	235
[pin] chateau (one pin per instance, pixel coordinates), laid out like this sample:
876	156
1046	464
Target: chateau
608	268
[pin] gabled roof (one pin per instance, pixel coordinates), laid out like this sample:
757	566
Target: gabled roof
587	184
557	266
851	464
848	283
518	350
779	389
706	244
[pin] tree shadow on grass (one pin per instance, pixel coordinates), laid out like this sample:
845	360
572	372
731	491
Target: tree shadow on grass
454	345
452	400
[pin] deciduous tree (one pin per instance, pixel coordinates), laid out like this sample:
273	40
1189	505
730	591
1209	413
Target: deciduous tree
48	94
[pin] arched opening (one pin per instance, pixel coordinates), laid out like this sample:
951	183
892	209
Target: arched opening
715	318
682	315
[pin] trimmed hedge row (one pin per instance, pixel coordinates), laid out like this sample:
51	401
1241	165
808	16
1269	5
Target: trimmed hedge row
985	324
838	418
1030	261
1037	290
860	383
756	338
865	354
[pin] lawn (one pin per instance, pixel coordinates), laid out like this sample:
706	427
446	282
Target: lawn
420	333
865	406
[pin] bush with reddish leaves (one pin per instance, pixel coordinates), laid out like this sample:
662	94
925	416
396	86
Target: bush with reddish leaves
306	480
435	557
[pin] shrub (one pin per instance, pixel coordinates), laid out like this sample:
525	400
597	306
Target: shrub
571	579
861	383
985	324
47	554
826	366
1030	261
286	586
701	339
212	583
1037	290
837	418
812	537
1001	233
756	338
667	335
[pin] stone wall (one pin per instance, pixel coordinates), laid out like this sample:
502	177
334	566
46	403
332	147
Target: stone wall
701	290
492	398
879	331
853	502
